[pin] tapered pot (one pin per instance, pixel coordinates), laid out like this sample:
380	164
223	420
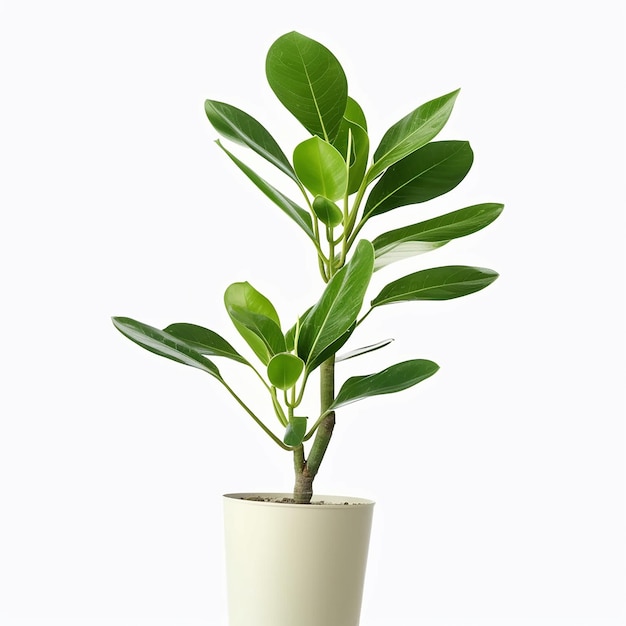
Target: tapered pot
295	564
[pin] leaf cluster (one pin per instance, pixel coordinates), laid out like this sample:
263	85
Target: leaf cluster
341	184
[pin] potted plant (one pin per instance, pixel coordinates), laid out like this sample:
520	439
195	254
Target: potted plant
343	182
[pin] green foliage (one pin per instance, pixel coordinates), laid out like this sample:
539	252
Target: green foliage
425	174
308	79
354	144
295	212
437	283
338	308
408	241
164	344
284	370
255	317
340	188
204	341
411	133
241	128
395	378
295	432
321	168
327	211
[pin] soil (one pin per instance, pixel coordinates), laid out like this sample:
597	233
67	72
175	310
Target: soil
285	500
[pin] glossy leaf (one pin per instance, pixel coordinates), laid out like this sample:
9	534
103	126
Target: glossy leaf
243	294
437	283
284	369
244	297
331	349
309	81
163	344
425	174
295	432
327	352
238	126
290	335
327	211
404	251
339	306
359	154
354	113
321	168
363	350
411	133
295	212
391	380
354	129
402	243
204	341
263	328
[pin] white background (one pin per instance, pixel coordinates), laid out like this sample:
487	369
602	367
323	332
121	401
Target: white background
499	482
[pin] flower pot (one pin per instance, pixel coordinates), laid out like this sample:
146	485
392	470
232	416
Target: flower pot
295	564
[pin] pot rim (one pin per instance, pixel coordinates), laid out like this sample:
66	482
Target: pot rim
329	501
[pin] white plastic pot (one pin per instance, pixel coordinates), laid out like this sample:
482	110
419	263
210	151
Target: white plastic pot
295	564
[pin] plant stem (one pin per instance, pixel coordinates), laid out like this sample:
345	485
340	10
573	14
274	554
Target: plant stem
245	407
325	429
306	470
303	488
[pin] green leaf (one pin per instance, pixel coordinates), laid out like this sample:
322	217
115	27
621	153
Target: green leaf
331	349
295	432
402	243
327	211
238	126
284	369
411	133
404	251
164	344
242	297
353	129
338	307
395	378
243	294
321	168
425	174
327	352
263	329
354	113
290	335
309	81
437	283
295	212
363	350
204	341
